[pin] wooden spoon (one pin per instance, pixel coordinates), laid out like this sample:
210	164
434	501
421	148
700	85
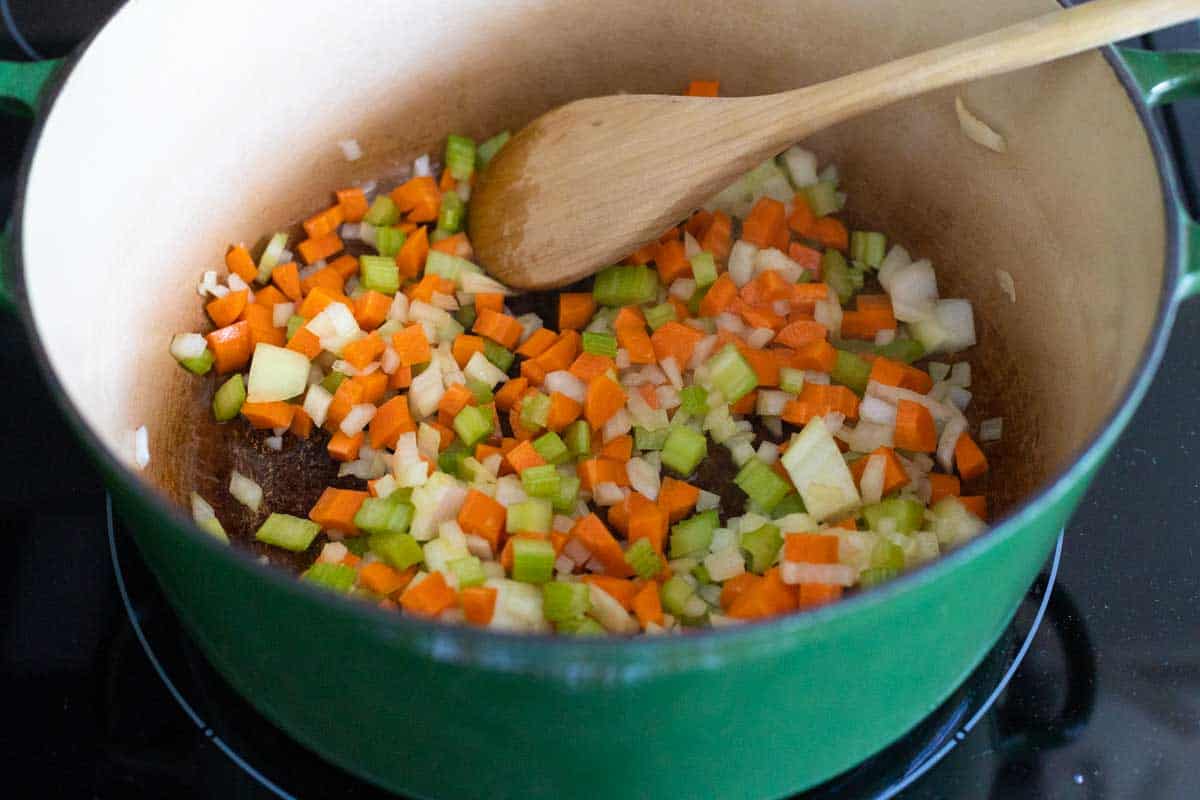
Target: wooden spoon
586	184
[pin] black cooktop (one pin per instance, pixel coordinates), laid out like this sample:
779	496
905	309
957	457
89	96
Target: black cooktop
1093	691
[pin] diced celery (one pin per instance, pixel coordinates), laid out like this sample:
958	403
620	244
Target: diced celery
501	357
333	380
701	574
540	481
450	460
887	555
704	269
379	273
388	241
530	516
448	266
565	601
213	527
904	515
468	571
731	375
551	448
851	371
695	300
693	535
659	315
400	550
270	256
295	323
383	212
601	344
953	523
472	425
485	152
625	286
480	391
684	449
460	157
384	515
359	545
868	247
791	504
337	577
643	560
533	559
581	627
439	234
578	438
535	411
288	532
675	594
649	440
762	545
694	400
822	197
568	494
762	484
874	576
836	273
199	365
227	401
906	350
466	316
451	212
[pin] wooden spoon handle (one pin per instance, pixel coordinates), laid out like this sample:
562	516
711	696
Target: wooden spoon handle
1051	36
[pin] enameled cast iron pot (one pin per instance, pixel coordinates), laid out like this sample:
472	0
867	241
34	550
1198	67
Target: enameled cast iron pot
181	127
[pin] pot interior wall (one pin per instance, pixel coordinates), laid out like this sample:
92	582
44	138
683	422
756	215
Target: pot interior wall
221	125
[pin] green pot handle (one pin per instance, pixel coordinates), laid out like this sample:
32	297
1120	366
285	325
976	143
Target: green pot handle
21	84
1164	78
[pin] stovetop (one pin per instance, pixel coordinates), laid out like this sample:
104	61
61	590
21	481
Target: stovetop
1093	692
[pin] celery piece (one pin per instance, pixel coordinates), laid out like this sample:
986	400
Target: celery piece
601	344
697	297
530	516
449	267
466	316
643	560
762	484
359	545
535	411
451	212
384	515
659	315
568	494
388	241
625	286
762	545
693	535
836	273
450	460
906	350
565	601
694	400
480	391
501	357
887	555
649	440
540	481
903	514
472	425
851	371
460	157
379	273
468	571
332	381
213	527
227	401
400	550
383	212
684	449
533	559
295	323
288	532
270	257
200	365
485	152
867	247
704	269
675	594
822	197
578	438
701	574
791	380
439	234
337	577
581	627
791	504
551	448
731	375
874	576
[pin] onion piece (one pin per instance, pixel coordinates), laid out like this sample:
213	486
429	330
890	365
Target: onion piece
1007	284
871	483
351	149
976	130
955	428
245	491
990	430
141	447
840	574
188	345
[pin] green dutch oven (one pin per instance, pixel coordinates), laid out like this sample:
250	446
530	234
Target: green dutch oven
181	127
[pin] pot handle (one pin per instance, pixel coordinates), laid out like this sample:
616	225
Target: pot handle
21	84
1164	78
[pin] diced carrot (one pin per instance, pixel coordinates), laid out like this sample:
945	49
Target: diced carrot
674	340
619	514
894	476
428	285
560	354
379	578
802	219
226	310
262	326
595	471
230	346
508	394
287	278
745	405
411	345
239	262
456	245
969	460
428	598
943	486
817	400
318	298
344	448
523	456
647	606
325	222
371	309
326	278
391	420
588	365
538	342
305	342
346	266
269	296
455	399
622	590
575	310
277	414
650	522
810	548
864	324
703	89
465	346
643	255
846	523
353	202
593	534
649	394
362	352
619	448
671	262
677	498
419	198
719	296
412	255
563	411
767	596
815	356
401	378
302	424
801	332
347	395
484	517
335	510
698	222
762	225
915	430
478	603
493	301
831	233
811	595
319	247
806	257
605	397
533	372
735	587
716	239
765	365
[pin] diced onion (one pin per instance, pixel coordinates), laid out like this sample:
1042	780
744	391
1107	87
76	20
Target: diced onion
245	491
990	430
201	510
830	315
643	477
955	428
1007	284
960	397
960	375
875	410
885	336
351	149
480	369
976	130
938	371
333	553
702	351
741	262
871	483
839	574
770	402
446	302
671	370
759	337
218	290
608	494
188	345
575	550
478	283
274	442
668	397
768	452
281	313
422	167
399	308
683	288
618	424
509	491
913	291
141	447
357	418
316	403
777	260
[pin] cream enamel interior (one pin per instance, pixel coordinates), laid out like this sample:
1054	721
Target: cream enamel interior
189	126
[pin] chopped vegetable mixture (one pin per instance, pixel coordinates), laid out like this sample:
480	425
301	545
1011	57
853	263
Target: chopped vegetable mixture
537	474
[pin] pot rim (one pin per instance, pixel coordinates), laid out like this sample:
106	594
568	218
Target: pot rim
523	651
